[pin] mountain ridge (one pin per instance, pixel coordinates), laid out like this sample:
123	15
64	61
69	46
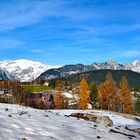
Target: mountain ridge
27	70
79	68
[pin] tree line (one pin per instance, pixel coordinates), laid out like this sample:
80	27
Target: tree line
106	95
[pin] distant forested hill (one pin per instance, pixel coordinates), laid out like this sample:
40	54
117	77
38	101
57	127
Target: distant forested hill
100	75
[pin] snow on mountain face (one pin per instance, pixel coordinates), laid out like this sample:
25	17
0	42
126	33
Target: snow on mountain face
24	70
135	66
109	65
3	75
79	68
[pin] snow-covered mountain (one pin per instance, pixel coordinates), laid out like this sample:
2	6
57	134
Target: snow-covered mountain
24	70
134	66
27	70
79	68
109	65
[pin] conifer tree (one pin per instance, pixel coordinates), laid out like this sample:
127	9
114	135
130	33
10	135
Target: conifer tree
84	94
58	98
126	101
58	101
93	93
59	86
108	94
137	105
52	83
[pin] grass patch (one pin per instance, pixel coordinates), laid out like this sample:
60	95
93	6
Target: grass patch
35	88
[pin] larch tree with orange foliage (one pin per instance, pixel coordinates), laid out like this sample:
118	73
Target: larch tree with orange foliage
84	94
126	100
58	98
58	101
108	95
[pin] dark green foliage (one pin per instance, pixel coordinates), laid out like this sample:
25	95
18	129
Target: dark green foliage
52	83
93	92
137	89
137	105
42	81
99	76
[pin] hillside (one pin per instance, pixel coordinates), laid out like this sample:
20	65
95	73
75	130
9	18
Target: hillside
99	76
24	123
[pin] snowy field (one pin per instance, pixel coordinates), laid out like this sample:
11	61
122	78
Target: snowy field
22	123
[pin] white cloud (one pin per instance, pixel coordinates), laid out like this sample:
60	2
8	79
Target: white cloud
37	51
27	12
14	15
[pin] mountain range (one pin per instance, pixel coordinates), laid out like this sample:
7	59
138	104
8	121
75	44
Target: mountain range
27	70
80	68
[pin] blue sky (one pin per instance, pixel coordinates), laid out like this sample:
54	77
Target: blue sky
70	31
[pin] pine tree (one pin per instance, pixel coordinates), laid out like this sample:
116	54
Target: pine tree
84	94
52	83
126	100
93	93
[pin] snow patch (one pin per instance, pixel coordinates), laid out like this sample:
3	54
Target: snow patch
53	125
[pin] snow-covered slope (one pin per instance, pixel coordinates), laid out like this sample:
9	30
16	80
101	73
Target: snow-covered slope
24	70
3	75
24	123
